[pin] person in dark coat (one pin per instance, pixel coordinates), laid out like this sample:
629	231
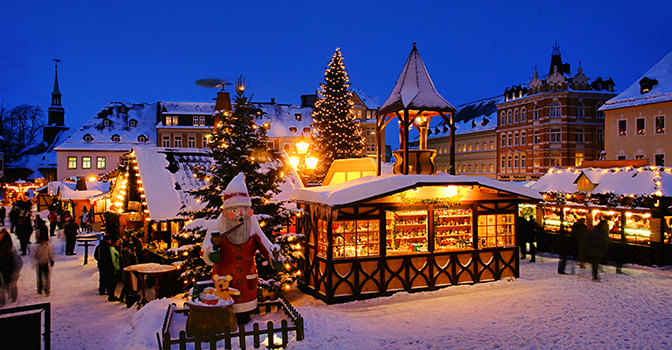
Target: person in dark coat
70	231
24	229
595	246
528	236
577	240
10	268
108	266
13	218
561	247
3	214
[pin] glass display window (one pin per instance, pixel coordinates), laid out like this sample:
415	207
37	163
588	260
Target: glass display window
637	227
667	230
322	242
406	232
496	230
527	210
571	215
356	238
452	229
614	220
552	219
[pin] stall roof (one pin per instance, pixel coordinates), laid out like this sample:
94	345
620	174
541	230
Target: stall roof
621	181
371	187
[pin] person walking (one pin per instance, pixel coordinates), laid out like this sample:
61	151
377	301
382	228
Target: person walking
53	222
108	266
13	217
10	268
3	214
44	260
23	231
561	248
577	240
83	217
70	231
596	245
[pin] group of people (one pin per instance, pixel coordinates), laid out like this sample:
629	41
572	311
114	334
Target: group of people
584	245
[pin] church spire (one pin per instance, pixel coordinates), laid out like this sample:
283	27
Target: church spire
56	94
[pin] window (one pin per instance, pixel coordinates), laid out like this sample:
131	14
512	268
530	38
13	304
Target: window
100	163
639	156
510	139
503	162
483	168
536	138
556	159
171	120
660	124
523	138
515	161
116	138
297	116
579	135
555	110
508	161
459	148
107	122
503	140
496	231
198	120
622	158
191	141
72	162
508	117
469	147
132	123
600	114
88	138
523	115
492	144
660	159
142	138
177	142
492	168
478	145
622	127
578	159
86	162
469	168
503	118
204	142
580	110
641	126
535	160
535	112
599	136
515	138
165	141
516	116
485	145
522	161
555	135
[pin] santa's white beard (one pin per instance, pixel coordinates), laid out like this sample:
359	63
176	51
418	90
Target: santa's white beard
241	234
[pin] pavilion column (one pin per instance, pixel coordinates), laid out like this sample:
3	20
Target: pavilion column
406	143
451	170
379	130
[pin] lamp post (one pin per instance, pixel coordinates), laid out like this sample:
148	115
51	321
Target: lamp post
302	160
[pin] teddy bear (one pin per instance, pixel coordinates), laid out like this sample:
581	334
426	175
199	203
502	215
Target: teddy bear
222	289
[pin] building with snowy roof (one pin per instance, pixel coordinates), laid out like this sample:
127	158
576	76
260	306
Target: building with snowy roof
551	121
636	119
475	139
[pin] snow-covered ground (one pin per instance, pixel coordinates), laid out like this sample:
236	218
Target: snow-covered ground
541	310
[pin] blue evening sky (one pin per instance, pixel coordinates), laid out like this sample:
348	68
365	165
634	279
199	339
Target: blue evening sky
146	51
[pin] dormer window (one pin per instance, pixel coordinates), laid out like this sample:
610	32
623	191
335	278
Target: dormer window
646	84
297	116
292	129
132	123
88	138
306	130
171	120
142	138
116	138
107	122
122	109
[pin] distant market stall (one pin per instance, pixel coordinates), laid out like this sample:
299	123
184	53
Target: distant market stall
635	201
378	235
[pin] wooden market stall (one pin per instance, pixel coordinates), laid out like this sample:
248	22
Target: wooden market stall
378	235
635	202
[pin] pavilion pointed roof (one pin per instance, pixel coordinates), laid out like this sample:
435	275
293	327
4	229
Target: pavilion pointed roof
415	89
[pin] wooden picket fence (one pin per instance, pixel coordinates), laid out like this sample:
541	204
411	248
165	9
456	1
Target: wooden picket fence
241	334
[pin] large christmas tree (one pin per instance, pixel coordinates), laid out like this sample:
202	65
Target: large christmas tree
337	134
238	144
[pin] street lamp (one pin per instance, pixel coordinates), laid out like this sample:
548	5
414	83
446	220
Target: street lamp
302	160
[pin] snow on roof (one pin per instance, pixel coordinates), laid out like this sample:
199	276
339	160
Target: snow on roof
39	155
68	189
414	89
188	108
117	115
376	186
370	102
621	181
283	117
661	92
471	117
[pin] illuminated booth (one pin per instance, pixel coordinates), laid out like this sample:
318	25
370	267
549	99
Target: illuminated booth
378	235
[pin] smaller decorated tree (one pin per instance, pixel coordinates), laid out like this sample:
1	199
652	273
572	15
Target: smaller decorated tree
337	134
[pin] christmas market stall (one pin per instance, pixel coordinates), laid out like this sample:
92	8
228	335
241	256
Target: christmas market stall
378	235
74	196
635	201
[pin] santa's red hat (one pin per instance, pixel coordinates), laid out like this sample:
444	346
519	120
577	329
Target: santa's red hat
236	194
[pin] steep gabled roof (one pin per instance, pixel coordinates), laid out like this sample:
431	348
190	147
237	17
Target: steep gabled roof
415	89
660	92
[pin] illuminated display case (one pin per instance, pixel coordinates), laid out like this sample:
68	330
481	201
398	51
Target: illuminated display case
356	238
496	231
570	215
614	219
453	229
406	232
638	227
552	219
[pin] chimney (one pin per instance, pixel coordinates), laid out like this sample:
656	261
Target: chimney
223	101
272	100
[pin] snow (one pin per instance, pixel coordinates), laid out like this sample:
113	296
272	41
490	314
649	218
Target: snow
414	89
377	186
540	310
661	92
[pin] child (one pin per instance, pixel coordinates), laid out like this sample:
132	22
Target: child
44	259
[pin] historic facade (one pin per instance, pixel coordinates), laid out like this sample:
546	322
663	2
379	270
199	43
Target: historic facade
554	122
636	119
